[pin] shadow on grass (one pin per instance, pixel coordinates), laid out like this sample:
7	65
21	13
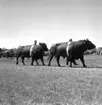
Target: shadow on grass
65	66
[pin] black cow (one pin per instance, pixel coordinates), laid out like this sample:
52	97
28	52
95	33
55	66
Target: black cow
24	51
38	52
76	50
8	53
58	50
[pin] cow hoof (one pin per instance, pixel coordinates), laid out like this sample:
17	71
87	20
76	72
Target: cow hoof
48	64
70	66
85	66
16	63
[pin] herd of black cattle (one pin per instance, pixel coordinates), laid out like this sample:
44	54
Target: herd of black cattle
76	50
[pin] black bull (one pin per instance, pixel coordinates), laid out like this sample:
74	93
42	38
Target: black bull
38	53
76	51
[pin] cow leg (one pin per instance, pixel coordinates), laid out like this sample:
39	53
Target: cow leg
82	60
23	60
17	57
74	62
67	61
58	57
70	63
32	60
71	60
42	60
50	58
37	62
17	60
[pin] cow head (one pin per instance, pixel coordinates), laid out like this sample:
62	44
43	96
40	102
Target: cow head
44	46
89	44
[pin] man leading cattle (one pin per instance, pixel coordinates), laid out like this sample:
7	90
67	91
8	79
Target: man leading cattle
37	52
76	50
69	42
32	47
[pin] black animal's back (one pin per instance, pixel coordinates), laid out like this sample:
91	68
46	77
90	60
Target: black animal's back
58	48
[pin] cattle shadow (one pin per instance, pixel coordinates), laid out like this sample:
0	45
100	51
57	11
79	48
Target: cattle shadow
77	66
65	66
94	67
45	65
91	66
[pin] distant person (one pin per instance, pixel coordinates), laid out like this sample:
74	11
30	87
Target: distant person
69	42
31	48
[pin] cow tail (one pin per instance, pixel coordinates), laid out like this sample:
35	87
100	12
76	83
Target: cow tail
49	56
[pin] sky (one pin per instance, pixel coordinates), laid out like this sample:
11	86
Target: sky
49	21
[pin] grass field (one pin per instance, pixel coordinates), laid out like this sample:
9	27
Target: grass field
43	85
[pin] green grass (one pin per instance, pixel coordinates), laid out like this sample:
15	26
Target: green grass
43	85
